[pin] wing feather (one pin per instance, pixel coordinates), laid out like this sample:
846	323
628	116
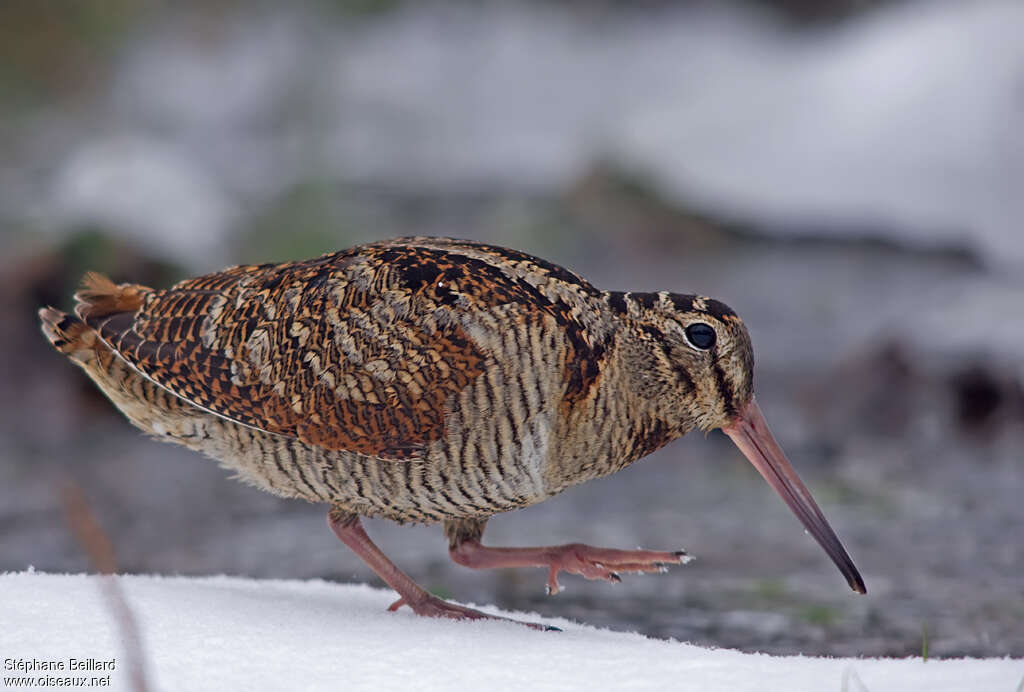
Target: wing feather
301	349
361	350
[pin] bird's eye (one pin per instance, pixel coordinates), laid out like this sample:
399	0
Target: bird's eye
701	336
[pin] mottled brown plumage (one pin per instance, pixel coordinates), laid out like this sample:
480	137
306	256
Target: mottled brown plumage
425	379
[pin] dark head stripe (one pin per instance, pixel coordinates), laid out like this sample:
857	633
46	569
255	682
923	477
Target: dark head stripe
709	306
724	390
718	309
682	303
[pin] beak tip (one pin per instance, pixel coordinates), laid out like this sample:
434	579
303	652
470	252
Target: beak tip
857	584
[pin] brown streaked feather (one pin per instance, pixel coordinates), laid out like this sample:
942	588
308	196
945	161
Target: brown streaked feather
495	276
68	334
100	296
359	350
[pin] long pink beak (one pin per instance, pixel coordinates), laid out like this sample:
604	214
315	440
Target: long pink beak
751	434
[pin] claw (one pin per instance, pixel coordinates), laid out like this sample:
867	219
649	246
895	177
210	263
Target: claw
552	587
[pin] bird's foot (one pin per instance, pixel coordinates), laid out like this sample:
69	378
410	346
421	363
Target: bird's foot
434	607
606	563
575	558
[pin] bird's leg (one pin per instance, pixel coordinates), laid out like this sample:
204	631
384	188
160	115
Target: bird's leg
348	528
587	561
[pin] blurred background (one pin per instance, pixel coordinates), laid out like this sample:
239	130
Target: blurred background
847	174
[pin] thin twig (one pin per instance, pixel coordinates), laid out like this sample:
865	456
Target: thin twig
850	677
98	548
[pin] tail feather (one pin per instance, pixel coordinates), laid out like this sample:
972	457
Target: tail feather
67	333
99	297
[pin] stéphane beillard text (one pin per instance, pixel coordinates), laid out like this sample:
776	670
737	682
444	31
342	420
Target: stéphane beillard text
30	665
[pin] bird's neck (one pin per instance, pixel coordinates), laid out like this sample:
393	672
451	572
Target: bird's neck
634	411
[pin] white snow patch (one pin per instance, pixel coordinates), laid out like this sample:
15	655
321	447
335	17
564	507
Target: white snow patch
908	117
222	633
157	195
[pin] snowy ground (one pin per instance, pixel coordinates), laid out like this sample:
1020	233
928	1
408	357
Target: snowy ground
225	633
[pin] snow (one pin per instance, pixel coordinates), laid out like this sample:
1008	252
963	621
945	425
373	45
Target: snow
220	633
907	118
91	189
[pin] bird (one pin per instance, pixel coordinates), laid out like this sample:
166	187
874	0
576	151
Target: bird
429	380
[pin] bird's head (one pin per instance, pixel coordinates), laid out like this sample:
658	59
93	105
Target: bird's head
699	354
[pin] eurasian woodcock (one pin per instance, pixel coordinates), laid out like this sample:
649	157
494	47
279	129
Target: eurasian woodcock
429	380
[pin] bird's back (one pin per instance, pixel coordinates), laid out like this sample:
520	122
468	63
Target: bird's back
416	379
